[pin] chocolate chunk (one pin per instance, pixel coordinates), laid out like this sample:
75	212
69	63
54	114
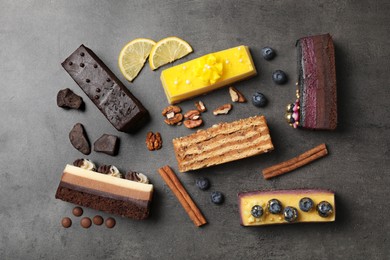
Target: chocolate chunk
110	222
67	99
85	222
124	111
79	139
107	144
66	222
97	220
77	211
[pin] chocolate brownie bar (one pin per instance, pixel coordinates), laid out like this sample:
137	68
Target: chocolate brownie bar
124	111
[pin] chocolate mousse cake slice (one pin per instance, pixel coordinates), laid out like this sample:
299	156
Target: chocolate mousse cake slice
316	103
105	192
223	143
124	111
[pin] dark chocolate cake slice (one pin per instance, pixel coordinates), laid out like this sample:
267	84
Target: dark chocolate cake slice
124	111
316	104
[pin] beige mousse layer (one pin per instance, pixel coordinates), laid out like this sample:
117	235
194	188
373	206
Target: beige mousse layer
104	183
223	143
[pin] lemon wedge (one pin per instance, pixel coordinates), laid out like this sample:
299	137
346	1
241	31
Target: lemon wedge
168	50
133	56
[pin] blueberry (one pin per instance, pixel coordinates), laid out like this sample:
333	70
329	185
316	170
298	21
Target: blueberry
217	197
259	100
279	77
203	183
257	211
274	206
268	53
324	209
306	204
290	214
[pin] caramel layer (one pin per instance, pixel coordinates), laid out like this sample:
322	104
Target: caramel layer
104	183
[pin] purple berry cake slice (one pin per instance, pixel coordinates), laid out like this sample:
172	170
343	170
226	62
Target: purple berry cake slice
316	103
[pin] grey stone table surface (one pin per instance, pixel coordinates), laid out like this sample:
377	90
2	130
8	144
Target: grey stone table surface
36	36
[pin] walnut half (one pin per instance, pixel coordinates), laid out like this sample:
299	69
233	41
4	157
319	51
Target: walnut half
223	110
200	106
153	141
172	115
236	95
193	119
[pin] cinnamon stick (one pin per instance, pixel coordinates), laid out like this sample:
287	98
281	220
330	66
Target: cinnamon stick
182	195
296	162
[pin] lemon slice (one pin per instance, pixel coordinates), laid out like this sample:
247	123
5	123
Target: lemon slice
168	50
133	57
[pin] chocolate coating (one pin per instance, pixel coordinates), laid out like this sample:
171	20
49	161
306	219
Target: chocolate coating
77	211
110	222
98	220
124	111
85	222
66	222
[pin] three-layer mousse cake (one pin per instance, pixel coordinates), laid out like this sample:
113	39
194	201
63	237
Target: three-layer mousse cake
316	103
106	191
207	73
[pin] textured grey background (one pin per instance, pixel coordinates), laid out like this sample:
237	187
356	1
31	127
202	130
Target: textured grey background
36	36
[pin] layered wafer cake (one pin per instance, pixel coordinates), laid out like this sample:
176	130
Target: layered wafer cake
122	109
223	143
106	190
316	97
259	208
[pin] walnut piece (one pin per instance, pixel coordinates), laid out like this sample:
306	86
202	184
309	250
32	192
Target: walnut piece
193	119
174	120
236	95
169	109
200	106
172	115
190	114
223	110
153	141
193	123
